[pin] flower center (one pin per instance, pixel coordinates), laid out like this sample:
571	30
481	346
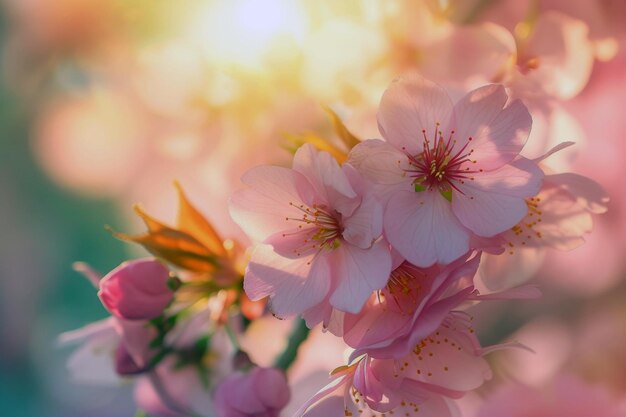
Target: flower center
403	289
325	226
440	164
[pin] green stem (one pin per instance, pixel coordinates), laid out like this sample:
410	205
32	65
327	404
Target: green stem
232	336
298	335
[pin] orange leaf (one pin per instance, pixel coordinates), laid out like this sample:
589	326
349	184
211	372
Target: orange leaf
178	247
193	222
341	130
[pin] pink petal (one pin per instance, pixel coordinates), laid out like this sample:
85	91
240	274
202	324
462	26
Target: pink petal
422	227
320	313
526	292
294	285
326	400
329	181
262	209
295	243
366	223
137	336
565	53
370	387
588	193
380	163
556	221
332	405
448	360
488	214
453	57
498	135
426	323
410	105
553	150
239	392
374	326
494	201
271	388
359	272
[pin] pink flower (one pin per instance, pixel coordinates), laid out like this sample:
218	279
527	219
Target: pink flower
136	290
262	392
110	346
320	228
94	361
554	58
440	367
566	396
356	389
412	305
448	171
558	217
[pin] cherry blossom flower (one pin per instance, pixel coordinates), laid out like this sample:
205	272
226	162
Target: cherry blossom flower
262	392
554	57
319	227
412	305
448	172
558	217
440	367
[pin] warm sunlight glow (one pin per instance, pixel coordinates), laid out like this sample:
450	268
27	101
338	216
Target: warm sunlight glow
241	32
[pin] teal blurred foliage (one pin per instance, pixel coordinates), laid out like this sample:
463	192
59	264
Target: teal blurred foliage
43	229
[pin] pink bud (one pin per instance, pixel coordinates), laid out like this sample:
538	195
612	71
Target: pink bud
136	290
262	392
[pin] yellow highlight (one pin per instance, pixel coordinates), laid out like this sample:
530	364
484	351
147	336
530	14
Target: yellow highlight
243	32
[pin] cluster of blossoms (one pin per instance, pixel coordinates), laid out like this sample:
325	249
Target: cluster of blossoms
171	329
383	249
380	244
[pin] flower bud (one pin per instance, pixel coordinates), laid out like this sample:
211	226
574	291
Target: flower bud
261	392
136	290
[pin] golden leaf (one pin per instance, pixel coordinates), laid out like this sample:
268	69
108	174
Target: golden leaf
193	222
193	245
320	143
340	153
341	130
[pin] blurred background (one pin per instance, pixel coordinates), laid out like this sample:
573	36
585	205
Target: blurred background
103	103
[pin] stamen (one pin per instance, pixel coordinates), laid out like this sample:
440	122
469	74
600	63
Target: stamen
323	229
437	167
